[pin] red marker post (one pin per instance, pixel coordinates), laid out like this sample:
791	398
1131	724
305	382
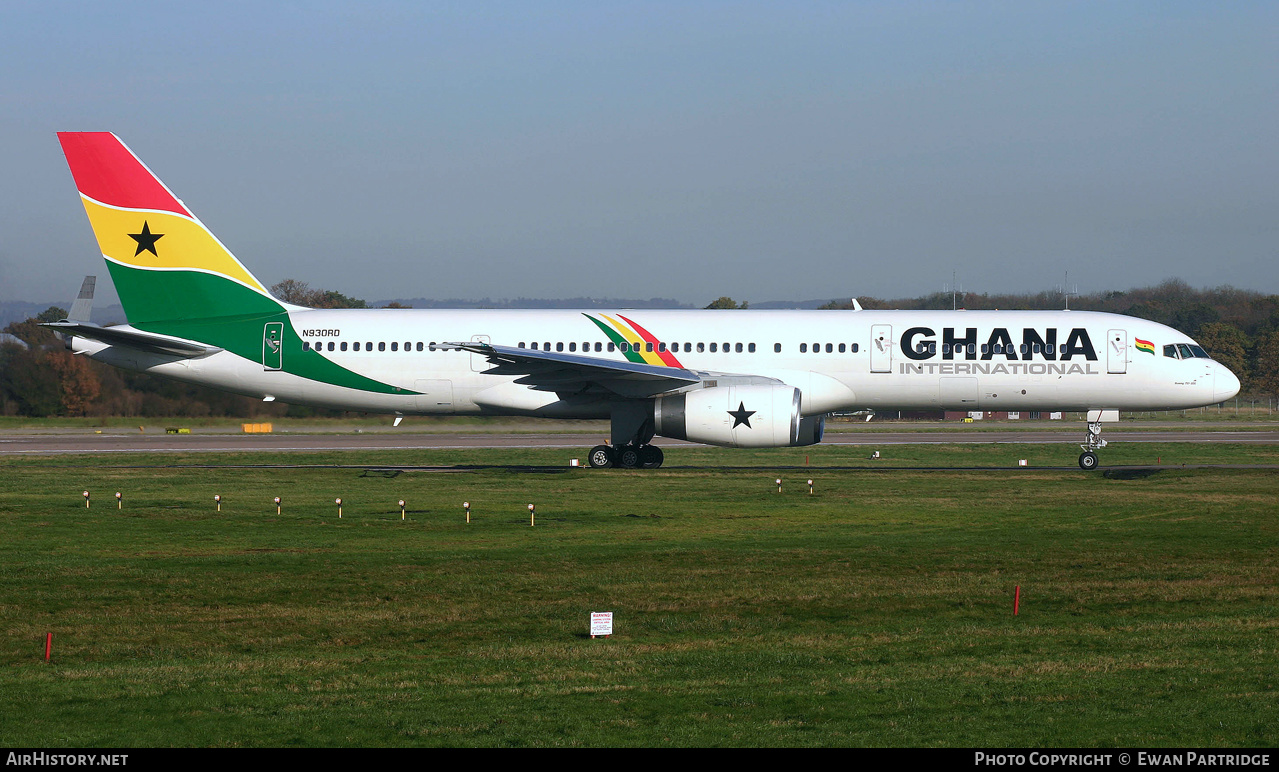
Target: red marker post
1016	600
48	646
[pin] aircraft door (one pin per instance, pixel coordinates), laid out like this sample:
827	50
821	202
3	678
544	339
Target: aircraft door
273	346
1117	351
479	362
881	348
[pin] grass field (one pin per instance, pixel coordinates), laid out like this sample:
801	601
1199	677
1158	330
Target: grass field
877	611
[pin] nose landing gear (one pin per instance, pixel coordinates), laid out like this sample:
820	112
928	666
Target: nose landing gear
1088	459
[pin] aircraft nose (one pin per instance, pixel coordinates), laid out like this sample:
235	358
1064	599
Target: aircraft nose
1225	384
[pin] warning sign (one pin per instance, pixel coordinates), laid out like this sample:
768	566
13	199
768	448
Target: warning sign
601	623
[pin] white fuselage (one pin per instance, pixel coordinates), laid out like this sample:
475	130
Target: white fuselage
839	360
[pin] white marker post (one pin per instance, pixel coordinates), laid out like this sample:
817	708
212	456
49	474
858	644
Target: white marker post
601	623
119	500
277	505
401	509
531	515
779	485
217	499
467	506
338	501
86	499
810	487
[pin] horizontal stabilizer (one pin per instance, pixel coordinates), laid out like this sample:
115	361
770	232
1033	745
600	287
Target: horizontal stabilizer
131	338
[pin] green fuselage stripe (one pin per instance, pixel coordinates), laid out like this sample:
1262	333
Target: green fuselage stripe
632	356
219	312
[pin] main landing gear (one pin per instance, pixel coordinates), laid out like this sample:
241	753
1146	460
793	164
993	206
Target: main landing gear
626	456
1088	459
631	429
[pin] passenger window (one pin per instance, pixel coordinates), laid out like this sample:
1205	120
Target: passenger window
725	348
546	345
572	346
738	348
306	345
521	344
648	347
356	346
817	347
777	348
701	347
688	347
945	348
597	345
751	348
803	348
611	346
712	348
343	346
395	345
419	345
661	346
559	346
331	345
381	345
972	348
1048	348
1035	348
930	348
829	348
841	348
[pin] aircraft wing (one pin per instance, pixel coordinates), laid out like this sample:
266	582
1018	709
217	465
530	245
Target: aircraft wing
569	373
127	336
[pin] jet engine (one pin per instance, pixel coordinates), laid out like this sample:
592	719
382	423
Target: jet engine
765	416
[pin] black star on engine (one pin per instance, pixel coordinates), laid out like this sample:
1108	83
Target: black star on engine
742	416
146	239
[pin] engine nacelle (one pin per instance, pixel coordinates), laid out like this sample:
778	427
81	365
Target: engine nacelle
811	429
732	416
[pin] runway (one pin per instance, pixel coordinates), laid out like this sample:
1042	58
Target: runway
118	441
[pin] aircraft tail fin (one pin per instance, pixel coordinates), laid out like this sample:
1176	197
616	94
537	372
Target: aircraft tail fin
166	265
82	308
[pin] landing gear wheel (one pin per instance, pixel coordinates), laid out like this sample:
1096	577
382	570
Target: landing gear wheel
628	457
601	457
1088	461
651	457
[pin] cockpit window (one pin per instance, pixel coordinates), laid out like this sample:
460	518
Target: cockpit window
1185	351
1170	351
1200	353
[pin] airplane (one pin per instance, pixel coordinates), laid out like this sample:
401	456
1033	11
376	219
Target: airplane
747	379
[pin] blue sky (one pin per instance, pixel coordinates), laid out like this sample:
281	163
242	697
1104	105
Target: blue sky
764	151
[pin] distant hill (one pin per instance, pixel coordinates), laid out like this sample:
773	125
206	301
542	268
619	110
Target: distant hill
537	303
21	310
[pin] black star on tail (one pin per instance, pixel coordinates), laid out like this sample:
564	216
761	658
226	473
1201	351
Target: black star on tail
146	239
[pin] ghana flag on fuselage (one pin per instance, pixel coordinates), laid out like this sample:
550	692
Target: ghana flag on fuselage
1145	345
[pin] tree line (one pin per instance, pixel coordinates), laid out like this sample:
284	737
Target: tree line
1240	328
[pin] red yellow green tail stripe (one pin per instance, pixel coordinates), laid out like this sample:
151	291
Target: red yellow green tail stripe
140	224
